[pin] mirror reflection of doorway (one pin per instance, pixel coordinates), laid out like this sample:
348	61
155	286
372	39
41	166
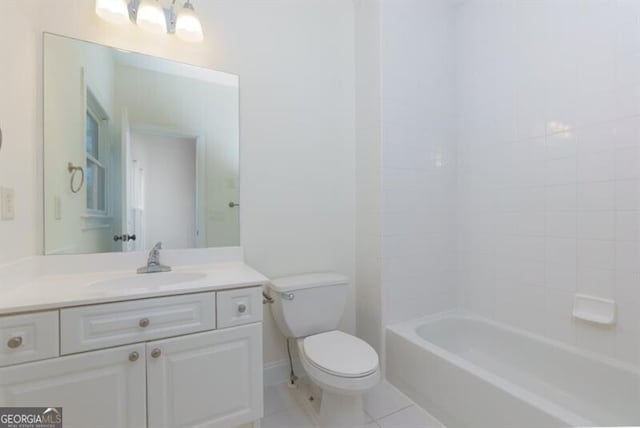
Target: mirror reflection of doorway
163	174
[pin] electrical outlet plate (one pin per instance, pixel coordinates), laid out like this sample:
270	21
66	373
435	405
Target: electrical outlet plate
7	203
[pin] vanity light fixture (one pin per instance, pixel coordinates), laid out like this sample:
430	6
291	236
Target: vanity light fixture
114	11
153	16
188	26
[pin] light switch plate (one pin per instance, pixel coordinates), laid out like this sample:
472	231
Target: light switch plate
7	203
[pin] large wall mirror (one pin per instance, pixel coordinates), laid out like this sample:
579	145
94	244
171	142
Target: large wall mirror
137	150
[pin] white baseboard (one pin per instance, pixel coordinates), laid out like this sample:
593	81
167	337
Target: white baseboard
277	372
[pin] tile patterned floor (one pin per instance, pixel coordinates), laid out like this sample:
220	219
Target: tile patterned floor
385	407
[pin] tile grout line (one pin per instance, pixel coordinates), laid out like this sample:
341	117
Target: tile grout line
413	403
299	403
395	411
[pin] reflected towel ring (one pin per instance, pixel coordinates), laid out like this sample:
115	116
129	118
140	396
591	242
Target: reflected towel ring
72	170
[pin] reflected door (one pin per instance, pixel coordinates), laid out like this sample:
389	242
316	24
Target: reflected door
128	214
163	176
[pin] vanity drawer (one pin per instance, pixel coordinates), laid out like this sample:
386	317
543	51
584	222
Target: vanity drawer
101	326
236	307
28	337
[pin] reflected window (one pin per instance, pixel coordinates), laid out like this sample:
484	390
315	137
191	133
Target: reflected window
96	170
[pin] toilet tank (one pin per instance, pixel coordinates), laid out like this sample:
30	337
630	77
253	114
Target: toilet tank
308	304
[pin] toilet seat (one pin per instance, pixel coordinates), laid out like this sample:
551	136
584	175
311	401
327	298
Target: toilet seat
325	365
340	354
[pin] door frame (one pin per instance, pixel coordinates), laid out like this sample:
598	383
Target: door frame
200	169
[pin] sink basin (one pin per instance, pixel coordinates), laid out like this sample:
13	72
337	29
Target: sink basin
148	280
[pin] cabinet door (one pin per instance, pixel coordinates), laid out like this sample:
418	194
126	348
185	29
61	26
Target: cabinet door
100	389
206	380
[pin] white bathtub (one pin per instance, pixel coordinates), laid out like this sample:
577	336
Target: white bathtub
472	372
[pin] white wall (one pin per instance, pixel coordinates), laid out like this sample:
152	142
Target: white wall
296	67
368	173
549	134
418	166
21	123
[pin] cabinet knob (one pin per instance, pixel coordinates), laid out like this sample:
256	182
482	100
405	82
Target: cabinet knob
14	342
242	308
144	322
134	356
156	353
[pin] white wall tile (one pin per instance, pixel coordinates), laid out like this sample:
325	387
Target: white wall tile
561	224
559	171
596	281
596	224
596	196
561	276
597	166
627	256
626	163
522	168
627	195
574	76
561	197
561	144
627	225
561	250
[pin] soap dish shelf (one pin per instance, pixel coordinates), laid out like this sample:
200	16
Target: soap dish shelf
594	309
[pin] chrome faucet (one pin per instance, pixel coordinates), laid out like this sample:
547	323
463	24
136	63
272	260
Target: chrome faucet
153	262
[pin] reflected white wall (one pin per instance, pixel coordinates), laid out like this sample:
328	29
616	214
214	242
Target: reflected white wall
72	70
165	102
166	165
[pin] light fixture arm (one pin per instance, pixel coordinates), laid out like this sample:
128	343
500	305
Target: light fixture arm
154	16
169	14
133	10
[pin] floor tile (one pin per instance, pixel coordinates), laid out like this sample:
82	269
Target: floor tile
383	400
411	417
291	408
294	417
278	398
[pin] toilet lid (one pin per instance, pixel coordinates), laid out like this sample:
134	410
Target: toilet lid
340	354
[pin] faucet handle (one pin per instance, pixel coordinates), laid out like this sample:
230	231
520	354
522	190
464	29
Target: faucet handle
158	246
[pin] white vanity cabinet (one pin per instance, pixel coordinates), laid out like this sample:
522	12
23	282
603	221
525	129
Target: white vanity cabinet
100	389
167	362
211	379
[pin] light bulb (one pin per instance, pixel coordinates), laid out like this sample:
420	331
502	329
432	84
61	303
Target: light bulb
188	26
151	16
114	11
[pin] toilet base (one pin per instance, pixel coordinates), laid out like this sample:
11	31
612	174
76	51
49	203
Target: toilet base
341	411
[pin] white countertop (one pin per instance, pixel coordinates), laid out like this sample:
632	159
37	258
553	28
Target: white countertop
65	290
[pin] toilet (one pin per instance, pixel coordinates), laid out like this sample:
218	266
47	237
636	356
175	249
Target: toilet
308	308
